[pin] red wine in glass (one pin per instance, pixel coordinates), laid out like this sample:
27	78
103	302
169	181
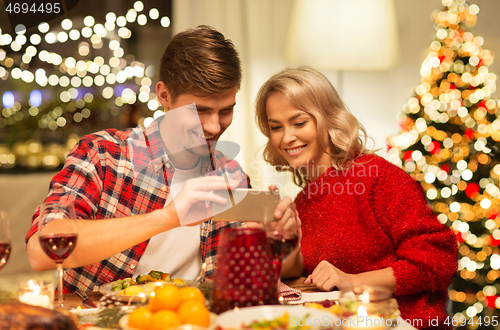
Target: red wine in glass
58	247
283	237
5	249
282	244
57	234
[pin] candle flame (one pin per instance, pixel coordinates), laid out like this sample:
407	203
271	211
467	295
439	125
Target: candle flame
36	290
365	297
362	311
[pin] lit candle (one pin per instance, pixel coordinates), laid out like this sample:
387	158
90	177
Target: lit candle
363	321
33	296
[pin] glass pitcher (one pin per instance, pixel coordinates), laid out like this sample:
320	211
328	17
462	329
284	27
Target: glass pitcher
244	273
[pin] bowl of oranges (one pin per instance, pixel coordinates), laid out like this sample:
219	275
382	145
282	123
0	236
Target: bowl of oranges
171	307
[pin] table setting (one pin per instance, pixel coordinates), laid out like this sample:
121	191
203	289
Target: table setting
245	293
300	307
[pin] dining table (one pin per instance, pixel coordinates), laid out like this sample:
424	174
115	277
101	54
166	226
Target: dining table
72	300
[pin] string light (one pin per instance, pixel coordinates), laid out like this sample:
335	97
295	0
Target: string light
71	76
460	175
154	13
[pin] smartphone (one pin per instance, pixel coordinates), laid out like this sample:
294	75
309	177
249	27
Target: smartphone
246	205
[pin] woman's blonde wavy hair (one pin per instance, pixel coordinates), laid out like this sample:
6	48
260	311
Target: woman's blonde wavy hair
310	91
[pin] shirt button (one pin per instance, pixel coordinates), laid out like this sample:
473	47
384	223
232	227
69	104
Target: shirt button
164	189
132	267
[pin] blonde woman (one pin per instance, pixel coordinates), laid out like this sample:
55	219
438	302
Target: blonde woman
364	220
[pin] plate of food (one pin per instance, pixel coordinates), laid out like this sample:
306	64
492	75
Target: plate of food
133	293
277	317
138	289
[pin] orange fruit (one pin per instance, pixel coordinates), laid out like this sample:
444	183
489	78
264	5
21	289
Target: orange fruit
192	293
166	297
164	320
140	318
194	312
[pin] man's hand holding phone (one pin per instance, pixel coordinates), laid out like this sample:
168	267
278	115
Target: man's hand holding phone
189	206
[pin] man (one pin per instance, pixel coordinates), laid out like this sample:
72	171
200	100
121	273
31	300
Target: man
124	179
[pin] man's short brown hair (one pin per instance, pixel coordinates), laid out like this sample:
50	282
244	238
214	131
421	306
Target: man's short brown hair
200	61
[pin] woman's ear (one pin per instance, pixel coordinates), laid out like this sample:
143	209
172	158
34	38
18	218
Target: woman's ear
163	95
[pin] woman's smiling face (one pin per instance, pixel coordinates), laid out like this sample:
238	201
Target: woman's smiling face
293	133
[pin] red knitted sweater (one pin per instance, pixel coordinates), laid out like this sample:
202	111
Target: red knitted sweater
372	216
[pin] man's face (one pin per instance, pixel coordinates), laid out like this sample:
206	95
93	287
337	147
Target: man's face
215	113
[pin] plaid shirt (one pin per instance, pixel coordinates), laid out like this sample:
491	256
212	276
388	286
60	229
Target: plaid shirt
103	181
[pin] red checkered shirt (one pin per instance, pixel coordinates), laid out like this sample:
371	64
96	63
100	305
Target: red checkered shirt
103	181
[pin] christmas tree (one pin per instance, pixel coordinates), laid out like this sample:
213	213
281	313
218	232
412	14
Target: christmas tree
449	142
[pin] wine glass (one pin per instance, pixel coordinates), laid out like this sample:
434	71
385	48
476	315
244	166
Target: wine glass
57	232
283	236
5	239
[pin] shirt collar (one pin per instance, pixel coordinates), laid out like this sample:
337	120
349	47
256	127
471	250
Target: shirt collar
147	151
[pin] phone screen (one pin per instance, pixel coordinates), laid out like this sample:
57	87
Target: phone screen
246	205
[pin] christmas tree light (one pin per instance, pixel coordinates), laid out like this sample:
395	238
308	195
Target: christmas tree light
449	142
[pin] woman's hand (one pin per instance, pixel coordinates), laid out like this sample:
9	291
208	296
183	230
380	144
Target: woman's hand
287	214
326	277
